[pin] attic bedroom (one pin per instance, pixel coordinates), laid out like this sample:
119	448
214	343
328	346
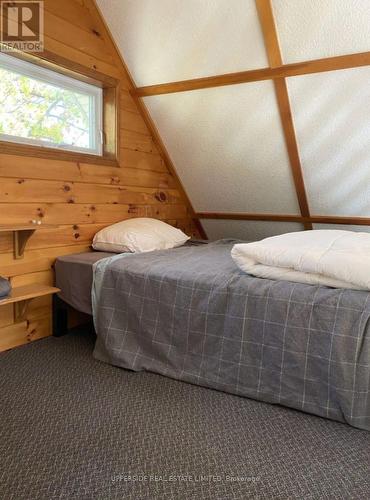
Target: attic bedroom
185	249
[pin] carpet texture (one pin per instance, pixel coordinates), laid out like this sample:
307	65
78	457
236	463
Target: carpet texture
75	428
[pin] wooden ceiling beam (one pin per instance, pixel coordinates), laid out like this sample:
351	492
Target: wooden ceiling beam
270	36
316	219
250	216
284	71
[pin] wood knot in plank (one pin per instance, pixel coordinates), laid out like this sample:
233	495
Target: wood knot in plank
132	209
161	196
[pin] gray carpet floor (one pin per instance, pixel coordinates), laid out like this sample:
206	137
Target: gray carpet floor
74	428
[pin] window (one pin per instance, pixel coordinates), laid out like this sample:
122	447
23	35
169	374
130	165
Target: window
44	108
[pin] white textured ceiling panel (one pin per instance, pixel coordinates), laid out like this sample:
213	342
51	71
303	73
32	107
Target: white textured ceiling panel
228	147
247	230
331	113
312	29
168	40
341	227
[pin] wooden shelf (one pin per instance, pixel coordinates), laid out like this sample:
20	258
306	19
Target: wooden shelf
22	233
22	295
25	227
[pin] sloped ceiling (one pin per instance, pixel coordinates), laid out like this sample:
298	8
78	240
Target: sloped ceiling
227	143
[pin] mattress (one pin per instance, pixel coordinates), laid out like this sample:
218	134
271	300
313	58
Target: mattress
74	276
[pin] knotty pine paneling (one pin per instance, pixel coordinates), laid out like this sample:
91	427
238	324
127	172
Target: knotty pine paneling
71	213
23	190
39	168
138	142
81	198
127	102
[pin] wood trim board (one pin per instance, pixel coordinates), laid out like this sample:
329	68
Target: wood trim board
270	36
316	219
284	71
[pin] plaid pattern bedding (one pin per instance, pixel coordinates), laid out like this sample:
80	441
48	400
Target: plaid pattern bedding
191	314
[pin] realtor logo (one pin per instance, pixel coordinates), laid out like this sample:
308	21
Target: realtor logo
22	26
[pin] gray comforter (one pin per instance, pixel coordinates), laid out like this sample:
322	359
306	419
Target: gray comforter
191	314
5	288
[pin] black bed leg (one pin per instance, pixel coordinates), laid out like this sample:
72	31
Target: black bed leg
60	317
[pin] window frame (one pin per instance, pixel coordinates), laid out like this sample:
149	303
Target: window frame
107	85
52	78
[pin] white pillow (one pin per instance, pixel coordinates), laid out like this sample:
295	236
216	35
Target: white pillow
138	235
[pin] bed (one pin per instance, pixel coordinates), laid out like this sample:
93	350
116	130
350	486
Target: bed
193	315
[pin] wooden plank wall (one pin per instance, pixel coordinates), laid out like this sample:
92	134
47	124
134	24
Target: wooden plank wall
80	198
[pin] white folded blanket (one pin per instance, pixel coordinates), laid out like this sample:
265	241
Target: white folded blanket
339	259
